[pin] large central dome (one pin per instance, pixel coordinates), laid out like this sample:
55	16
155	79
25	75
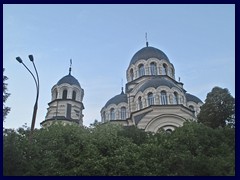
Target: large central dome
148	52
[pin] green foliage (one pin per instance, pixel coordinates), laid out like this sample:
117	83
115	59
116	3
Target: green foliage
219	109
113	150
5	96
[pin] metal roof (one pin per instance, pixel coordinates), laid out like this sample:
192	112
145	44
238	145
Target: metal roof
148	52
117	99
158	81
69	79
193	98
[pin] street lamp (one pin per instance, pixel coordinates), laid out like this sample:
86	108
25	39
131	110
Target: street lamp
37	88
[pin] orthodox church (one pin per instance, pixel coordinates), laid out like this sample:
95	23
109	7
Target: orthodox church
152	99
66	104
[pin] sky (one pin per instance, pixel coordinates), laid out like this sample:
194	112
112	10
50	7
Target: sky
199	41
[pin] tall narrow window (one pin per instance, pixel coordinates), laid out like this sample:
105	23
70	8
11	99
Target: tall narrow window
55	94
140	105
172	73
153	68
175	98
141	70
123	113
182	100
74	95
164	69
104	116
192	108
163	98
69	109
64	96
112	114
131	74
150	99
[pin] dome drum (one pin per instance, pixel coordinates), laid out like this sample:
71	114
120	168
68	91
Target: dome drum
150	67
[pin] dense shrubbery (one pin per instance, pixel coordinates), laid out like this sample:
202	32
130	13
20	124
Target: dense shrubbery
107	149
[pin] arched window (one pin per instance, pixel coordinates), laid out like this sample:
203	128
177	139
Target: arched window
140	105
141	70
131	74
74	95
172	73
150	99
182	100
123	113
164	98
164	70
104	116
175	98
55	94
191	107
64	96
153	68
169	131
112	114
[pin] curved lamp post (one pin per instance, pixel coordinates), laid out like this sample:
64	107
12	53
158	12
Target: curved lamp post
37	88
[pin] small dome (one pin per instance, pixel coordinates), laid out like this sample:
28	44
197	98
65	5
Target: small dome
148	52
69	79
193	98
156	82
117	99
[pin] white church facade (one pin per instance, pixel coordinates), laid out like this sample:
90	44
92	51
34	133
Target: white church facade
153	99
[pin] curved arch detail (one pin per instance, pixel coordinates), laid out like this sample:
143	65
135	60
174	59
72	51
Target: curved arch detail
163	121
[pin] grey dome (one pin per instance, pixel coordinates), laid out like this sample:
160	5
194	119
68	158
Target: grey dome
69	79
193	98
148	52
156	82
117	99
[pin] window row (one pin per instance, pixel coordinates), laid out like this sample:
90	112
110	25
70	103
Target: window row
152	70
112	115
65	94
163	99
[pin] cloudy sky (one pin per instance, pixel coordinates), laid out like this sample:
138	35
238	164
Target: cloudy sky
199	40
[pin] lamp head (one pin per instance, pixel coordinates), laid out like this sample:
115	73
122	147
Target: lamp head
19	59
31	57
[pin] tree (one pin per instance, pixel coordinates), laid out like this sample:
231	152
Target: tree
112	150
5	96
198	150
219	108
95	123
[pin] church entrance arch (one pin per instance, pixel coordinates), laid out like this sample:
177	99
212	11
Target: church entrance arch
166	122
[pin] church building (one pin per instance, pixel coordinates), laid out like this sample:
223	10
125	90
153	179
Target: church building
153	99
66	104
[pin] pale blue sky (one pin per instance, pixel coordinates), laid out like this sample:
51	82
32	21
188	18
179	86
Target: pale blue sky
199	40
